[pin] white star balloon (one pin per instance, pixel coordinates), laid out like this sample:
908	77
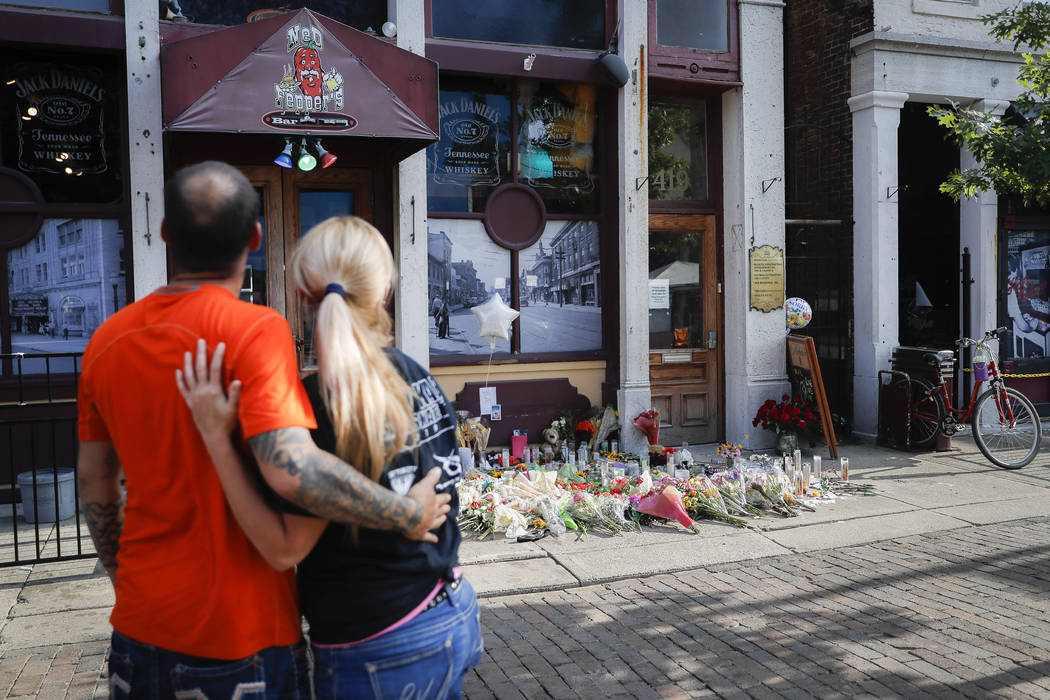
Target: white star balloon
495	318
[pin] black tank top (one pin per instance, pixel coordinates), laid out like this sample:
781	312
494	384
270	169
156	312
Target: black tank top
350	590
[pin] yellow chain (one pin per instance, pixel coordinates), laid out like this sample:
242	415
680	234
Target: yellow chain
1015	376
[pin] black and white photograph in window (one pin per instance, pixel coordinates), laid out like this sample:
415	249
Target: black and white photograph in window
560	289
63	284
464	269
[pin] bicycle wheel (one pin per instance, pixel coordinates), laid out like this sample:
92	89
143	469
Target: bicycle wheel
1007	445
927	410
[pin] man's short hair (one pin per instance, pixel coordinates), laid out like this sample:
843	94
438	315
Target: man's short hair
210	210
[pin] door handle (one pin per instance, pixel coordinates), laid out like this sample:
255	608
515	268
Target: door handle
712	340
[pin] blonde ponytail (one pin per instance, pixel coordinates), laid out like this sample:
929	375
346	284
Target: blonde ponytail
366	397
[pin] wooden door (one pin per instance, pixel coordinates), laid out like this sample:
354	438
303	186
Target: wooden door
685	307
293	201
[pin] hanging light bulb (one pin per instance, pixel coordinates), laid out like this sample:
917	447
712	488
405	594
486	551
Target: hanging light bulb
285	159
326	157
306	159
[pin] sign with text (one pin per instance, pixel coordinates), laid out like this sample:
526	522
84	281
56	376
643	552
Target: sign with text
468	152
767	278
60	127
660	294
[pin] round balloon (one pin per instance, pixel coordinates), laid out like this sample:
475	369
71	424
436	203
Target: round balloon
798	312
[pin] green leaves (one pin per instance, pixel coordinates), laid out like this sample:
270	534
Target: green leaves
1013	151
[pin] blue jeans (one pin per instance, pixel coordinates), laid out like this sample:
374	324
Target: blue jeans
143	672
425	658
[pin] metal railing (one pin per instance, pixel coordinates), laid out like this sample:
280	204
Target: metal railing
40	518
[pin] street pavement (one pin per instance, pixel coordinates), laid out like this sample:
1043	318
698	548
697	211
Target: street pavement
939	586
543	326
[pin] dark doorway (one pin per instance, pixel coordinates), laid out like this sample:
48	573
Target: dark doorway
928	233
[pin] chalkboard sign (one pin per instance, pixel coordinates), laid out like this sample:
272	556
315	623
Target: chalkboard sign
804	373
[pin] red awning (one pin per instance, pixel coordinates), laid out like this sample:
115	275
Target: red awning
300	74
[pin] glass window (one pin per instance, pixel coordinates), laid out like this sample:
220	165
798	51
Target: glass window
578	24
560	289
556	130
93	5
693	25
677	151
365	15
1027	295
464	268
674	290
253	289
314	207
58	313
60	124
472	157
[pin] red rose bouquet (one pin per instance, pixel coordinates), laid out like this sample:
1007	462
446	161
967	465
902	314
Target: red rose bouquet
792	413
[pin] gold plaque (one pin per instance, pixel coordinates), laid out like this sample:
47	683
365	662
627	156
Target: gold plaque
767	278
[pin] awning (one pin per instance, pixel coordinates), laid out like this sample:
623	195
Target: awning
300	74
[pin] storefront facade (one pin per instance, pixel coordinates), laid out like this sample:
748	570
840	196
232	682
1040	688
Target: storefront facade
507	161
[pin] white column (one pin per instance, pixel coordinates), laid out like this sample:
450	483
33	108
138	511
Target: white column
753	154
633	395
977	231
876	116
410	217
145	156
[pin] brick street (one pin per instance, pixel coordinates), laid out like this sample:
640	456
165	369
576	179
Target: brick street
957	613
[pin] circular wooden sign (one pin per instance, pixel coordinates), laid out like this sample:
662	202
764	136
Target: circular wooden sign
515	216
20	203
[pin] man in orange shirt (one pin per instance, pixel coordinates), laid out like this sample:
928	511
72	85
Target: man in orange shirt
198	610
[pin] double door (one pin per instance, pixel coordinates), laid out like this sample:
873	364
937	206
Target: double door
684	325
293	201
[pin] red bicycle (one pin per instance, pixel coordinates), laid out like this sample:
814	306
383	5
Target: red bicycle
1005	424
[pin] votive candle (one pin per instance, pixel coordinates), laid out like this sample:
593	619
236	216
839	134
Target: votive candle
816	468
844	467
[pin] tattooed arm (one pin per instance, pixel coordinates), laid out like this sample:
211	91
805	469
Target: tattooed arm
98	480
323	484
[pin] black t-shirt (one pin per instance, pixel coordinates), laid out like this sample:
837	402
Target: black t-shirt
350	590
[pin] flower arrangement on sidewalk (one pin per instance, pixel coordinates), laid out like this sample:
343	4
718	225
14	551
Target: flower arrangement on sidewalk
529	502
790	414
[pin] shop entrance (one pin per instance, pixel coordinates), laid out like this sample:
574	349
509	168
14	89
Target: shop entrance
684	323
292	202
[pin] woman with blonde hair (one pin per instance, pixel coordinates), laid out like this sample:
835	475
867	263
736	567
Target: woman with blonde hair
388	616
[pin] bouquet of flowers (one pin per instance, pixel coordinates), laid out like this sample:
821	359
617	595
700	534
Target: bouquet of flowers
729	449
649	423
792	414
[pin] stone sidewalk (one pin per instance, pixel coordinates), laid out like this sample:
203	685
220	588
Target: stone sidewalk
643	607
957	613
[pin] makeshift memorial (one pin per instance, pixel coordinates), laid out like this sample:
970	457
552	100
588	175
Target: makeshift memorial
527	502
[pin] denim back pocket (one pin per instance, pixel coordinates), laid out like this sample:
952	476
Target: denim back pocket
423	673
121	674
121	668
238	680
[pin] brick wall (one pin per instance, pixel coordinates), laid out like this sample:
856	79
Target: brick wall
817	82
819	178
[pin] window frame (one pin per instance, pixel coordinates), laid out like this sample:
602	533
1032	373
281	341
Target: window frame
604	217
70	36
684	63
